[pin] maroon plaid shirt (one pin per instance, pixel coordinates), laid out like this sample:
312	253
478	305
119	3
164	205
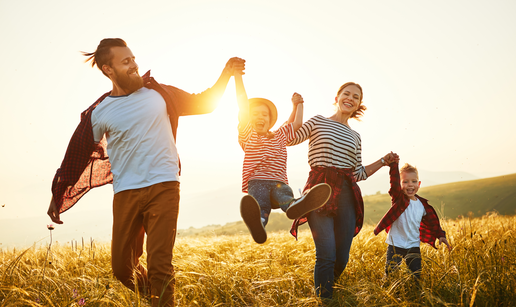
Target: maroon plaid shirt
86	164
335	178
429	230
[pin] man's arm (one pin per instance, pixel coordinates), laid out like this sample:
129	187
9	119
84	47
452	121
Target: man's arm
206	102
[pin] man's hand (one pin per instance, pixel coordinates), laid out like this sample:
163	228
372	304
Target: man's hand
297	99
235	66
443	240
53	212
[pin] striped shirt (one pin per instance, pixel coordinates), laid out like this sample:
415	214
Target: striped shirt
264	158
332	144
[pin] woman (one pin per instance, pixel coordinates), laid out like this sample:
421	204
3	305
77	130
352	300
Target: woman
335	158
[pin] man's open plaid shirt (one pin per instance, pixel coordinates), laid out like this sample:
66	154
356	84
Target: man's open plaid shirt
429	230
86	164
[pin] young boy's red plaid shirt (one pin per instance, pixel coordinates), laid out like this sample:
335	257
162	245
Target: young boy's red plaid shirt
86	164
429	230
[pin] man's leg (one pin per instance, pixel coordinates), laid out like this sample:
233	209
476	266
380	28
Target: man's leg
127	241
160	222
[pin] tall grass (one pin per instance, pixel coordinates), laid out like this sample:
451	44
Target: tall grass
234	271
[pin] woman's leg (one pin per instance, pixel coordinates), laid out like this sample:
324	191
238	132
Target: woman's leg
344	228
321	226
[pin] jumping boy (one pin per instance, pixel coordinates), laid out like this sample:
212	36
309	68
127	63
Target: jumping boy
409	221
264	175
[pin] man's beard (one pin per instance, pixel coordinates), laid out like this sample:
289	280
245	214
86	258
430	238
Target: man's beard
129	83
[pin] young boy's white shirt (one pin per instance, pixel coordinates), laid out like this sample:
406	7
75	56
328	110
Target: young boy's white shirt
404	232
141	146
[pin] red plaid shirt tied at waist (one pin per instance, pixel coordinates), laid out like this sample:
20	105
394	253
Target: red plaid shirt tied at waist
86	164
429	229
335	178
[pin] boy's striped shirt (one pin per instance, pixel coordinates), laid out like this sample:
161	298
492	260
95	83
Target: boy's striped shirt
264	158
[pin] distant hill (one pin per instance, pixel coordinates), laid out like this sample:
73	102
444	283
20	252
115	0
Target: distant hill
380	181
474	197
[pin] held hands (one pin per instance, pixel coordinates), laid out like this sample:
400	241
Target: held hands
235	66
443	240
297	99
391	157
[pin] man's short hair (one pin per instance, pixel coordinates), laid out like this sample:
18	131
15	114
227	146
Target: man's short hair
407	168
103	56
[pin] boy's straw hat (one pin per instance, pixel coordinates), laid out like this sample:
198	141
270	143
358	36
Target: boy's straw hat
273	111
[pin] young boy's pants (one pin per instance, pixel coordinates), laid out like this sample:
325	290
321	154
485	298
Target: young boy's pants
152	210
412	258
270	193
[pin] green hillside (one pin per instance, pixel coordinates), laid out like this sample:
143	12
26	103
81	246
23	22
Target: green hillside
475	197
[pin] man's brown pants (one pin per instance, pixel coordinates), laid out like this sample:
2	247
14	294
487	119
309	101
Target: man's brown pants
152	210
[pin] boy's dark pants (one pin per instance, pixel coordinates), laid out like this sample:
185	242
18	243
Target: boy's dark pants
412	257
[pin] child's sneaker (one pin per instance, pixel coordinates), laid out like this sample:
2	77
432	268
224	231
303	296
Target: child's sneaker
315	198
251	214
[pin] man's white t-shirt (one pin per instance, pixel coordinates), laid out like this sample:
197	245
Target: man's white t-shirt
404	231
141	146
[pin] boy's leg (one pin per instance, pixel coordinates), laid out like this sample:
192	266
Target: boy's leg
315	198
281	195
251	210
413	260
261	191
127	241
160	221
394	257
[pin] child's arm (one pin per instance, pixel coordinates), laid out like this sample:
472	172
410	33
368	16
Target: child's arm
297	111
443	240
394	174
243	102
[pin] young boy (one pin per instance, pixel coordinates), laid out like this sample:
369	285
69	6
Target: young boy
409	221
264	175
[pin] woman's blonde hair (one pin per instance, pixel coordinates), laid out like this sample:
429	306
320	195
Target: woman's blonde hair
361	108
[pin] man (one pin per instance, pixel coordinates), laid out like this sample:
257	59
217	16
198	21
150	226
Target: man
139	119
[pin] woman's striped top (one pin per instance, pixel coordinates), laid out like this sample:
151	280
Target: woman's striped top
332	144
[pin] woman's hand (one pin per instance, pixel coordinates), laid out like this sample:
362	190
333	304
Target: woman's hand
391	157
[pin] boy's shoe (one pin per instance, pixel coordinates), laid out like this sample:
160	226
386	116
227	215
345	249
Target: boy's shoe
251	214
315	198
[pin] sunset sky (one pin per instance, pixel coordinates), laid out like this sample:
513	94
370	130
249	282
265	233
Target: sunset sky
439	81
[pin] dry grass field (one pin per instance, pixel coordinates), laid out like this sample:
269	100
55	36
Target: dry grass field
234	271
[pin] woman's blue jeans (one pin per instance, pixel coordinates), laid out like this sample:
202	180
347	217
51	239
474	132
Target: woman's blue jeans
270	193
332	236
